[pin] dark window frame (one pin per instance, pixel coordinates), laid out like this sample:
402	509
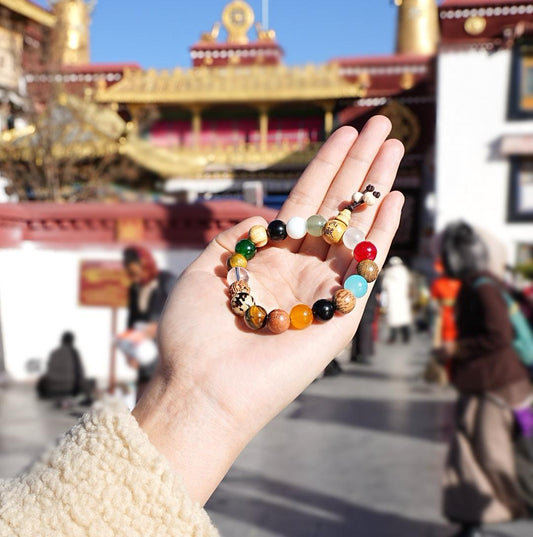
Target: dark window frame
514	214
517	81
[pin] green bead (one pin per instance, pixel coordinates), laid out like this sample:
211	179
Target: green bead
315	224
246	248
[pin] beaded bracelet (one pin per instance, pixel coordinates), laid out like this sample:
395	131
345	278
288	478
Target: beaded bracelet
332	231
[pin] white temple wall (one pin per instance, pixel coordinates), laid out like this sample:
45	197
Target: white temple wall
472	178
39	301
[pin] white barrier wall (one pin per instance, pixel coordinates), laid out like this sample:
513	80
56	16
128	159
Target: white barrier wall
39	301
472	177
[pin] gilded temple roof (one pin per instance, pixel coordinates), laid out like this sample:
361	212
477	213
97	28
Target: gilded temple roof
231	84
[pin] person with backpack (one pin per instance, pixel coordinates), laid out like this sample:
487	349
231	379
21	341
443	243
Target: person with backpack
481	484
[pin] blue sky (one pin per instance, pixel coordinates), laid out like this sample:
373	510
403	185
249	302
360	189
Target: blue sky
158	33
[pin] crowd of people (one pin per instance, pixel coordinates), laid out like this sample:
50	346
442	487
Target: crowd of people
204	398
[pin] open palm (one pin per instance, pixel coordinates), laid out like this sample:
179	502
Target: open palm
252	375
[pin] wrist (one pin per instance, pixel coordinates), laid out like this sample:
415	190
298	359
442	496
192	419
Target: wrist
197	438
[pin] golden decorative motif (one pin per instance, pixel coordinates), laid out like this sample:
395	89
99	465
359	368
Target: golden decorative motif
231	84
212	36
405	124
475	25
263	34
407	80
31	10
238	18
418	27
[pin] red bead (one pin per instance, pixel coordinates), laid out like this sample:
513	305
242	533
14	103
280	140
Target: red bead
365	250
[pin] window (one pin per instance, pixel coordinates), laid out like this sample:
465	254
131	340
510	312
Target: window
521	95
521	191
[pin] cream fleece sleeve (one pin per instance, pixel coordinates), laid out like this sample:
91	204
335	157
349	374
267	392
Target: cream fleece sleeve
103	479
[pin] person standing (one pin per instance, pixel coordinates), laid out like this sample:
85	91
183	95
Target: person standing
148	293
480	481
396	285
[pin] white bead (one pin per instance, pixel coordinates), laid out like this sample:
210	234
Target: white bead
352	237
357	196
369	198
296	227
237	273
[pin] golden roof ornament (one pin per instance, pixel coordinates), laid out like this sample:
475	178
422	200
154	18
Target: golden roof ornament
418	27
238	18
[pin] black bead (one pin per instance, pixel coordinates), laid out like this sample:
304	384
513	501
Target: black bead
277	230
323	309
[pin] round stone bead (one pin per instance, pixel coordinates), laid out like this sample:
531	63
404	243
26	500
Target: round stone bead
352	237
246	248
296	227
368	270
240	286
365	250
357	285
241	302
255	317
258	235
323	309
301	316
236	260
277	230
236	274
315	224
278	321
344	301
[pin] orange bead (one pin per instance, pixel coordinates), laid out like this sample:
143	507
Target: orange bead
301	316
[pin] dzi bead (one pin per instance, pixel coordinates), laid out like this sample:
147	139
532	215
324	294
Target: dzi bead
258	235
335	227
368	270
236	260
240	286
301	316
255	317
278	321
344	301
323	310
277	230
246	248
365	250
241	302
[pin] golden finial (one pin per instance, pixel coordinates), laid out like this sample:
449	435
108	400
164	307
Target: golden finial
212	36
418	27
238	18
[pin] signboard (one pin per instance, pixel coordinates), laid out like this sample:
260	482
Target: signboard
103	283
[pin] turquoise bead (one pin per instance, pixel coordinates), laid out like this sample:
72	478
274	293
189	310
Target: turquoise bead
357	285
246	248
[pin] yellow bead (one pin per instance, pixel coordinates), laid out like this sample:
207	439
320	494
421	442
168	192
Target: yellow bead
301	316
258	235
335	227
255	317
236	260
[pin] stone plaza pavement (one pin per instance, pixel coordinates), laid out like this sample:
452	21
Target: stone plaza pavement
359	454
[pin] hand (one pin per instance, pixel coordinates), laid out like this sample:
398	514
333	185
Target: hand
219	383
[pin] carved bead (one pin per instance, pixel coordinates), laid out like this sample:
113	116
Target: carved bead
368	270
335	227
258	235
344	301
240	286
240	302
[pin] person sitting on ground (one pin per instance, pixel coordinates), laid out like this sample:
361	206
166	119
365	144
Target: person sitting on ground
217	383
64	375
